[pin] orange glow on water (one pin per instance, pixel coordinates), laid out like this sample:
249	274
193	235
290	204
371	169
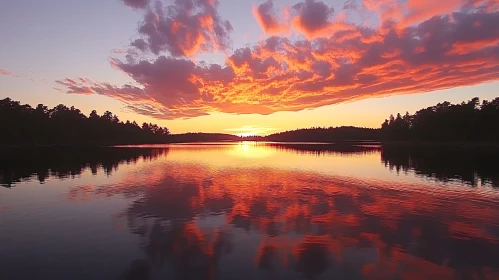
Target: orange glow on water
305	217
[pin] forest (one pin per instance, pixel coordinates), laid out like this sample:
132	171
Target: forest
202	137
321	134
445	122
23	125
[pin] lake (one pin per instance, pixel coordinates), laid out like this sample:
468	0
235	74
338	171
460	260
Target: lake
249	211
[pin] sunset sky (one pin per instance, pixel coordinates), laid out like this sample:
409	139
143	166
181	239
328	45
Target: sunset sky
249	67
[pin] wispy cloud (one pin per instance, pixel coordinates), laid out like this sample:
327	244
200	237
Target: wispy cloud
418	46
138	4
119	51
5	73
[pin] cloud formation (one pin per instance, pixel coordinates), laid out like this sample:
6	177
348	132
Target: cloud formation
266	17
456	48
313	18
183	28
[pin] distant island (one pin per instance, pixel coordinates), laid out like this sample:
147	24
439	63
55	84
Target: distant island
23	125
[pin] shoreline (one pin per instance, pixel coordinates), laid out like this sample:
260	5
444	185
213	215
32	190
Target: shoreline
409	144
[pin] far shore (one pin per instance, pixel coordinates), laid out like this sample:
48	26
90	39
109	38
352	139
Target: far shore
395	144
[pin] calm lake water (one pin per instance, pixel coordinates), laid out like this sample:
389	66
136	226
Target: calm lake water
249	211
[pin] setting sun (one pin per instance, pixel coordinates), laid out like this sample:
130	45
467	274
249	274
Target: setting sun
250	130
246	134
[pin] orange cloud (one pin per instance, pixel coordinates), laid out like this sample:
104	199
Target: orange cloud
267	19
280	74
423	10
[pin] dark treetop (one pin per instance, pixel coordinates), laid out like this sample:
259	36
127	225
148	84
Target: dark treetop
61	125
445	122
321	134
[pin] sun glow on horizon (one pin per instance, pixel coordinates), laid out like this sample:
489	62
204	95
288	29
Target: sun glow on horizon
251	130
247	134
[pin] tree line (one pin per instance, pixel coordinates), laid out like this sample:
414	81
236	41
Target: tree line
321	134
466	122
202	137
24	125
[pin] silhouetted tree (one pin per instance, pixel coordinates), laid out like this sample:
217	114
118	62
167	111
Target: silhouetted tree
319	134
22	125
203	137
465	122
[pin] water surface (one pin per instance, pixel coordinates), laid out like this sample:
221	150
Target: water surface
249	211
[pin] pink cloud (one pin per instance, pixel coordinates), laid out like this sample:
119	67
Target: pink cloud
119	51
75	87
84	80
5	72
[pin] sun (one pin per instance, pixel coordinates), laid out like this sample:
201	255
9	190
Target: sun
250	130
246	134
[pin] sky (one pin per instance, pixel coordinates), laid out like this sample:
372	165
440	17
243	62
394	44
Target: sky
249	66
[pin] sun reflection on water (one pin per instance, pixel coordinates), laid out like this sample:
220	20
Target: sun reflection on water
248	149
